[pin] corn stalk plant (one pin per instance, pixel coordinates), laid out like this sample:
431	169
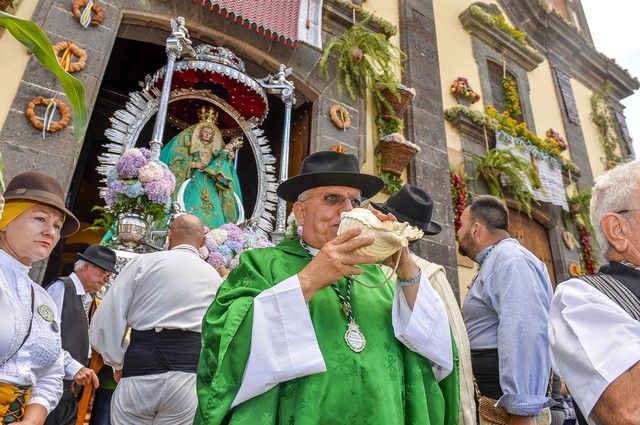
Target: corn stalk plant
502	168
34	39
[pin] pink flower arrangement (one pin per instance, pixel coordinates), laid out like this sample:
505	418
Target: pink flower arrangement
139	184
226	243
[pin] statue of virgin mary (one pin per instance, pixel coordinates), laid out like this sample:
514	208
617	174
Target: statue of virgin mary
200	154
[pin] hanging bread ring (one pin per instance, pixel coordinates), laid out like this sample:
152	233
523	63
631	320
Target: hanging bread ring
63	110
569	240
340	116
575	270
78	5
69	50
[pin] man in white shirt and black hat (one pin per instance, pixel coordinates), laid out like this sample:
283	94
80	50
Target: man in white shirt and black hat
73	296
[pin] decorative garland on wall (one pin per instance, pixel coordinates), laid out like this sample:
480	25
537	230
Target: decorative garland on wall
579	209
608	126
460	195
493	121
511	97
499	22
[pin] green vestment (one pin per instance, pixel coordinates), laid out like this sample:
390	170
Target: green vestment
384	384
209	195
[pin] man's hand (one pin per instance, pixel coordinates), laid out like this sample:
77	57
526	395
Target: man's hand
86	376
407	267
334	261
117	375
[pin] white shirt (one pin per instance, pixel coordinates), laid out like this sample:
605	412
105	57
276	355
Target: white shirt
39	362
592	341
284	344
56	291
162	290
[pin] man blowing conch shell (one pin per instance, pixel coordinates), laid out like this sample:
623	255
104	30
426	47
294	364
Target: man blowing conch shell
292	337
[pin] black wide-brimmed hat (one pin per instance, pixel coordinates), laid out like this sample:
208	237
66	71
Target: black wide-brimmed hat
328	168
100	256
43	189
412	205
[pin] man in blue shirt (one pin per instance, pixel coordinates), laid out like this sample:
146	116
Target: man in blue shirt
505	312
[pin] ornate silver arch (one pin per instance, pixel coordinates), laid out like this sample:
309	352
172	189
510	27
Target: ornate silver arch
127	124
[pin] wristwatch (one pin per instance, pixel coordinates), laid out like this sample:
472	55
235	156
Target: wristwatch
410	282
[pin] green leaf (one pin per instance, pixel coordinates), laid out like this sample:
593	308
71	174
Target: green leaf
30	34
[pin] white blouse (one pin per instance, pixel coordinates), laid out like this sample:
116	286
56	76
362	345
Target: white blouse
38	363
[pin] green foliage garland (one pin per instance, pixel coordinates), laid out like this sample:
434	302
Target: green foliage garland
499	22
608	126
388	125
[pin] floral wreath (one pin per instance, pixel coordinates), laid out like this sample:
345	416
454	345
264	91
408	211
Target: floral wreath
340	117
78	5
69	50
38	124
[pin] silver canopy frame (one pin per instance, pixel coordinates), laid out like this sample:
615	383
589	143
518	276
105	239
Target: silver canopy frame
126	125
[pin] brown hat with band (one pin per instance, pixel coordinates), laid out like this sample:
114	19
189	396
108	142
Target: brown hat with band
43	189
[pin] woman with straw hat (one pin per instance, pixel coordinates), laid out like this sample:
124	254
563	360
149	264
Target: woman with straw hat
31	362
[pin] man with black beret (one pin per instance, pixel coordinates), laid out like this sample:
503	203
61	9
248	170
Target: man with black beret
73	296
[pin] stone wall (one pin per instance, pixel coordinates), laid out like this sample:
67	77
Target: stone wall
425	127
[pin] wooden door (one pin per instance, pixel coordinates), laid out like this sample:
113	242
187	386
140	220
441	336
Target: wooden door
533	236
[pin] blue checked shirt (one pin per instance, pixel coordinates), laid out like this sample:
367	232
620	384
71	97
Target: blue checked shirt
507	308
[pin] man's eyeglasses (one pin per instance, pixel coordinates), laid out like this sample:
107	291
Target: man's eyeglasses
626	210
333	199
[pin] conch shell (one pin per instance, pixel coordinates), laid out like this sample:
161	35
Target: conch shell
388	236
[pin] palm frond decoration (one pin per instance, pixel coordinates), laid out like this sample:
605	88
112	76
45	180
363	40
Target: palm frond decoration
502	168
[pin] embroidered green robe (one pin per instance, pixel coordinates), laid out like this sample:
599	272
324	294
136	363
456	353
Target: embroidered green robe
384	384
209	195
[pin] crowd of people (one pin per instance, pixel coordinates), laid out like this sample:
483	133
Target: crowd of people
313	331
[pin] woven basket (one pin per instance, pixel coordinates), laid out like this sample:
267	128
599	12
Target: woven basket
4	4
399	103
395	153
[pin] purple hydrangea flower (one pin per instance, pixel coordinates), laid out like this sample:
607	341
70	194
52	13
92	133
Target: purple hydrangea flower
216	259
130	163
158	191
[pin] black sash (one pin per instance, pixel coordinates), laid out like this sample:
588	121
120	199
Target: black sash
152	352
486	372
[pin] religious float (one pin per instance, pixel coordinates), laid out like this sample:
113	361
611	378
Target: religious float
206	93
